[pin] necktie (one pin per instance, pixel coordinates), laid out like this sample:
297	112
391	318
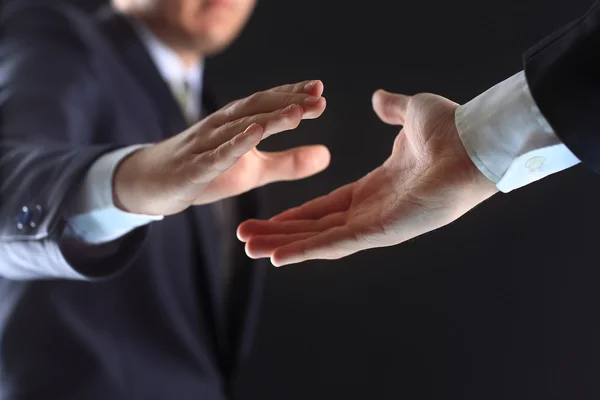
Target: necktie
183	94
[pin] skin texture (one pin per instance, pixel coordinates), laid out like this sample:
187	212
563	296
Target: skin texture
216	158
427	182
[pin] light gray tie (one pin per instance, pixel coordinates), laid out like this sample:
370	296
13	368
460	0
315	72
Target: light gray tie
183	94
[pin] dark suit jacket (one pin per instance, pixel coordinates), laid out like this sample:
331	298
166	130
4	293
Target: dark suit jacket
563	73
149	322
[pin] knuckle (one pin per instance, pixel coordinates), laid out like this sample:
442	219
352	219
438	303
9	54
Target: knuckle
231	103
419	96
298	87
229	110
256	97
216	159
210	120
241	124
190	135
293	122
289	98
233	125
235	108
212	156
296	114
279	88
286	124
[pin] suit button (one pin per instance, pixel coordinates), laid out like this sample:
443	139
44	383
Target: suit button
23	218
35	216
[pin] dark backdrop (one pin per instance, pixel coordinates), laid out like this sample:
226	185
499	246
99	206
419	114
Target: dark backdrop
501	304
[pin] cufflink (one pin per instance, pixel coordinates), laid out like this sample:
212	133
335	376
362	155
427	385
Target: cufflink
535	163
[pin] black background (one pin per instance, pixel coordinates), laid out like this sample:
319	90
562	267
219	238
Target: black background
502	304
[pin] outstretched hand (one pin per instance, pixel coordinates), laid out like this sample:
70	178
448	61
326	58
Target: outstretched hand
217	158
426	183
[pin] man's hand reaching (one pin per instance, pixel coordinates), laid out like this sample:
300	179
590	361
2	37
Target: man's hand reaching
426	183
217	158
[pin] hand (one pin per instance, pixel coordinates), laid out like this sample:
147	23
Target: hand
426	183
217	157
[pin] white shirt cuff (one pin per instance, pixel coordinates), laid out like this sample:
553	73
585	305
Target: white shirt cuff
507	137
94	217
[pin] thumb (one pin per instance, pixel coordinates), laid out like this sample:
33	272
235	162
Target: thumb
390	107
293	164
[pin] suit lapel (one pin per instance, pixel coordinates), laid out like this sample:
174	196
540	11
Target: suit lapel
135	57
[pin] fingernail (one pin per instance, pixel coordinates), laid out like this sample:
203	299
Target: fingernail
311	100
310	85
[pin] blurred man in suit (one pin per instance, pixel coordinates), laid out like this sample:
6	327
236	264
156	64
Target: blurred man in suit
112	286
449	158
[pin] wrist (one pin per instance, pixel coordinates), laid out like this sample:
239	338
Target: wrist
126	193
476	186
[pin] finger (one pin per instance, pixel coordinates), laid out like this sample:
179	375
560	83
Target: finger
337	201
274	122
314	88
251	229
297	163
263	246
207	166
266	102
329	245
390	107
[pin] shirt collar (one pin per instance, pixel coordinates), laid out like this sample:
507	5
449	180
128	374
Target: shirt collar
168	62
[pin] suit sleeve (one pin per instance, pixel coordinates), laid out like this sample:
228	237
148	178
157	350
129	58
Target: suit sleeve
563	74
50	104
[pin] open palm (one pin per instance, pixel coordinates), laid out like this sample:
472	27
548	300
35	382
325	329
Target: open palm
427	182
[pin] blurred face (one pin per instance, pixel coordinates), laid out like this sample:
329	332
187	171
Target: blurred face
208	25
